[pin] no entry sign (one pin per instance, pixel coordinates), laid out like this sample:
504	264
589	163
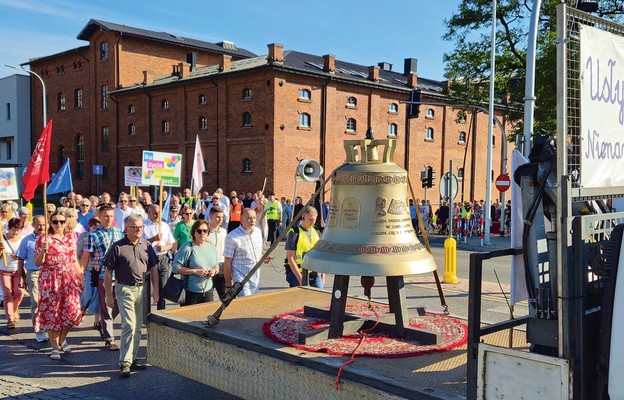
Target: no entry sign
503	183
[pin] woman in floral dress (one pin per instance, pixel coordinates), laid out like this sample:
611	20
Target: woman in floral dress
60	284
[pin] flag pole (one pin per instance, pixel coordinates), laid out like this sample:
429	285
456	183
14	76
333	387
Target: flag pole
160	204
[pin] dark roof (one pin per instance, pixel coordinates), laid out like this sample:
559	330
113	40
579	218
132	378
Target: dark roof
298	62
43	58
222	47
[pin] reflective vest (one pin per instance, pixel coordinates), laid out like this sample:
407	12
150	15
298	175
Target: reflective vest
235	212
305	243
272	209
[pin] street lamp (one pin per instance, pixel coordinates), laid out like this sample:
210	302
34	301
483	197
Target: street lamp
45	108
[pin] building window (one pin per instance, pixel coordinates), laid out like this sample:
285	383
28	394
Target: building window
103	51
430	113
8	111
164	105
429	134
80	157
394	108
202	100
131	109
246	119
131	130
462	137
9	150
305	94
352	102
461	117
246	166
62	156
392	130
78	99
104	94
246	94
60	99
460	173
165	127
351	125
304	120
105	139
105	172
493	141
203	123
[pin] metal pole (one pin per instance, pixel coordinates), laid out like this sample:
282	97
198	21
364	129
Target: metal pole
488	170
529	90
45	108
449	192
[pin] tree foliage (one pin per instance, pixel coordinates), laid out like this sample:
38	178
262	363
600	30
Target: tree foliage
467	67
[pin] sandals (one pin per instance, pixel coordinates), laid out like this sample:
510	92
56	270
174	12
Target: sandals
55	355
66	348
111	346
11	325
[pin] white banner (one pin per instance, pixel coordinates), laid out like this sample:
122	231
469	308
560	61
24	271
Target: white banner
8	184
132	176
602	108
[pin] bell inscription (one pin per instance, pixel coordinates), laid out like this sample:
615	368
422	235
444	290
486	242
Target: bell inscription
350	213
397	207
332	217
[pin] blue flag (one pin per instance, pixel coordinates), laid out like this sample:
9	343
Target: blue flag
166	207
61	181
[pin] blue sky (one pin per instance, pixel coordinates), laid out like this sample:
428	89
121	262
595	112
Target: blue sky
364	32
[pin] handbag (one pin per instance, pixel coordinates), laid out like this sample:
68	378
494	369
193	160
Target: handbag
174	288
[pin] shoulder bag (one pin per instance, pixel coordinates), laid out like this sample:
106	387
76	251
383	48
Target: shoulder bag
174	288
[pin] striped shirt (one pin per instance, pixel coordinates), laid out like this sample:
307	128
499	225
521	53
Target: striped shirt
98	242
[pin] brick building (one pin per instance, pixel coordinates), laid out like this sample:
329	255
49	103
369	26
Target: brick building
256	116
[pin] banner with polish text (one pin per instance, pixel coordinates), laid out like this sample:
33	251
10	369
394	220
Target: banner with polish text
165	166
602	108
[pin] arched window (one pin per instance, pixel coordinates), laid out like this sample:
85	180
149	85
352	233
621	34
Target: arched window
131	109
493	140
246	165
351	125
80	173
460	173
131	130
203	123
430	113
246	118
351	102
60	97
429	134
201	100
394	108
165	127
305	94
246	94
62	155
78	99
164	105
461	117
392	130
304	120
105	139
462	137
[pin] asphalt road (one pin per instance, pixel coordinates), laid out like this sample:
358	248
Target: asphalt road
90	372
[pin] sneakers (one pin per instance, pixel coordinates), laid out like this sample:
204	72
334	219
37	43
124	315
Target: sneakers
124	371
41	336
137	366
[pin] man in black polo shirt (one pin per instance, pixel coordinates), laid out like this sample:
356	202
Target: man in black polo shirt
129	258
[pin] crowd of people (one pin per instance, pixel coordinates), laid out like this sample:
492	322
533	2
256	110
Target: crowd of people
93	257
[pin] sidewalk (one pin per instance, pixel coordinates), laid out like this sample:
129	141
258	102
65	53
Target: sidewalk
89	372
472	243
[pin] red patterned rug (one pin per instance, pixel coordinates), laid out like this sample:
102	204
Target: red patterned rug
285	329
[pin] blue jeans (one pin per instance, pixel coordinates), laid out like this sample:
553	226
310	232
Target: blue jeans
315	279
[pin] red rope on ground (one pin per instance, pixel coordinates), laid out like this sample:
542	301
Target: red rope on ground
362	333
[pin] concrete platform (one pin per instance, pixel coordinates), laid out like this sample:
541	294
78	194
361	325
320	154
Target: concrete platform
236	357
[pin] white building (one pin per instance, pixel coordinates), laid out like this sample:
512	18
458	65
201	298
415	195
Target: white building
15	121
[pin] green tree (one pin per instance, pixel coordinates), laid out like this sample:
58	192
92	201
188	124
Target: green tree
467	67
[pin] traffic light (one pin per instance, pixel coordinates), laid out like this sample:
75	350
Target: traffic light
430	177
424	178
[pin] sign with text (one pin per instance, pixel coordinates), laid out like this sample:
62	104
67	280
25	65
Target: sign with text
602	108
132	176
8	184
165	166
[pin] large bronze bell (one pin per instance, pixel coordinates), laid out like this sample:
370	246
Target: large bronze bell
369	230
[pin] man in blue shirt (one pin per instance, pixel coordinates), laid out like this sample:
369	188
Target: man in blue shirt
29	271
84	214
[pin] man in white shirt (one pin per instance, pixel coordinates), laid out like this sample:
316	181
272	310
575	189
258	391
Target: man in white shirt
122	211
161	243
216	201
225	205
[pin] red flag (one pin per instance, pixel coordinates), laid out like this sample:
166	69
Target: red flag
38	170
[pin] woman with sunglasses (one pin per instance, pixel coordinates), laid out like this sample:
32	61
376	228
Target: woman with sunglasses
182	232
10	282
60	284
197	262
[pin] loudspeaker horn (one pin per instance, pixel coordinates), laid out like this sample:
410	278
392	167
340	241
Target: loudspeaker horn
309	170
